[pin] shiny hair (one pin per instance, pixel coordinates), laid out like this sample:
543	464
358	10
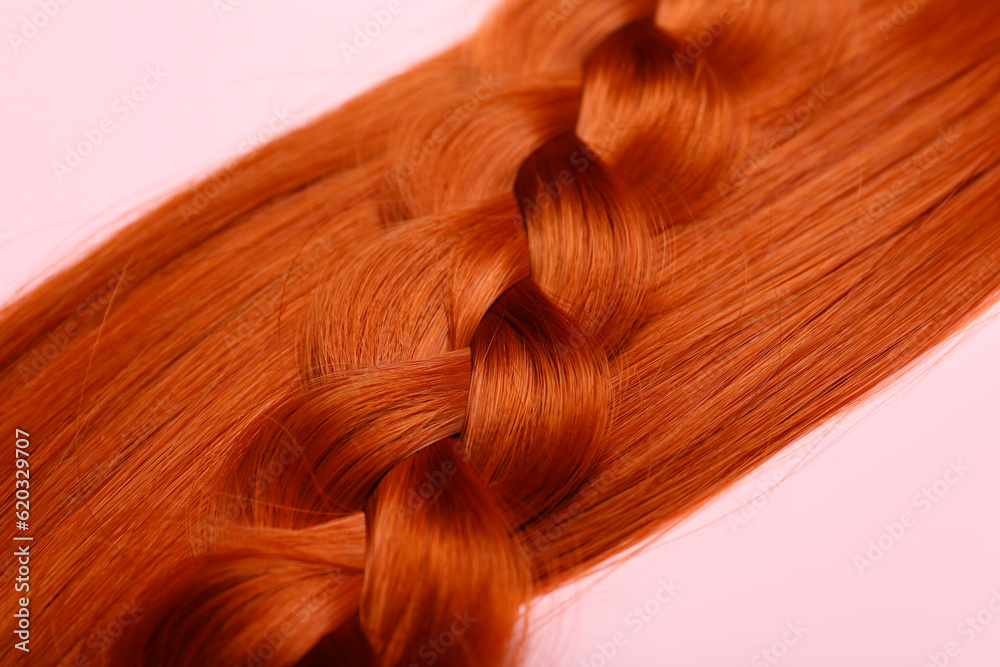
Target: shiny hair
447	347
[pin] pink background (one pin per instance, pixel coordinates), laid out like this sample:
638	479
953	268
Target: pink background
786	561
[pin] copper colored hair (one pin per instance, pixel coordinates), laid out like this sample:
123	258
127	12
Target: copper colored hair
496	321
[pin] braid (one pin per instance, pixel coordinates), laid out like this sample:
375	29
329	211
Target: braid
517	288
531	313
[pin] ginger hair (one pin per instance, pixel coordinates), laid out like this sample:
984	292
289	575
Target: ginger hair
496	321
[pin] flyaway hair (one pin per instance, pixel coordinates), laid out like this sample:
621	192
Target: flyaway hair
496	321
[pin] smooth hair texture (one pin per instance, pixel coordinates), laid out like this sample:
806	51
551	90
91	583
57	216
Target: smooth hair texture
496	321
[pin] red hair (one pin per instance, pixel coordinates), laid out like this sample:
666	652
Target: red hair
451	345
